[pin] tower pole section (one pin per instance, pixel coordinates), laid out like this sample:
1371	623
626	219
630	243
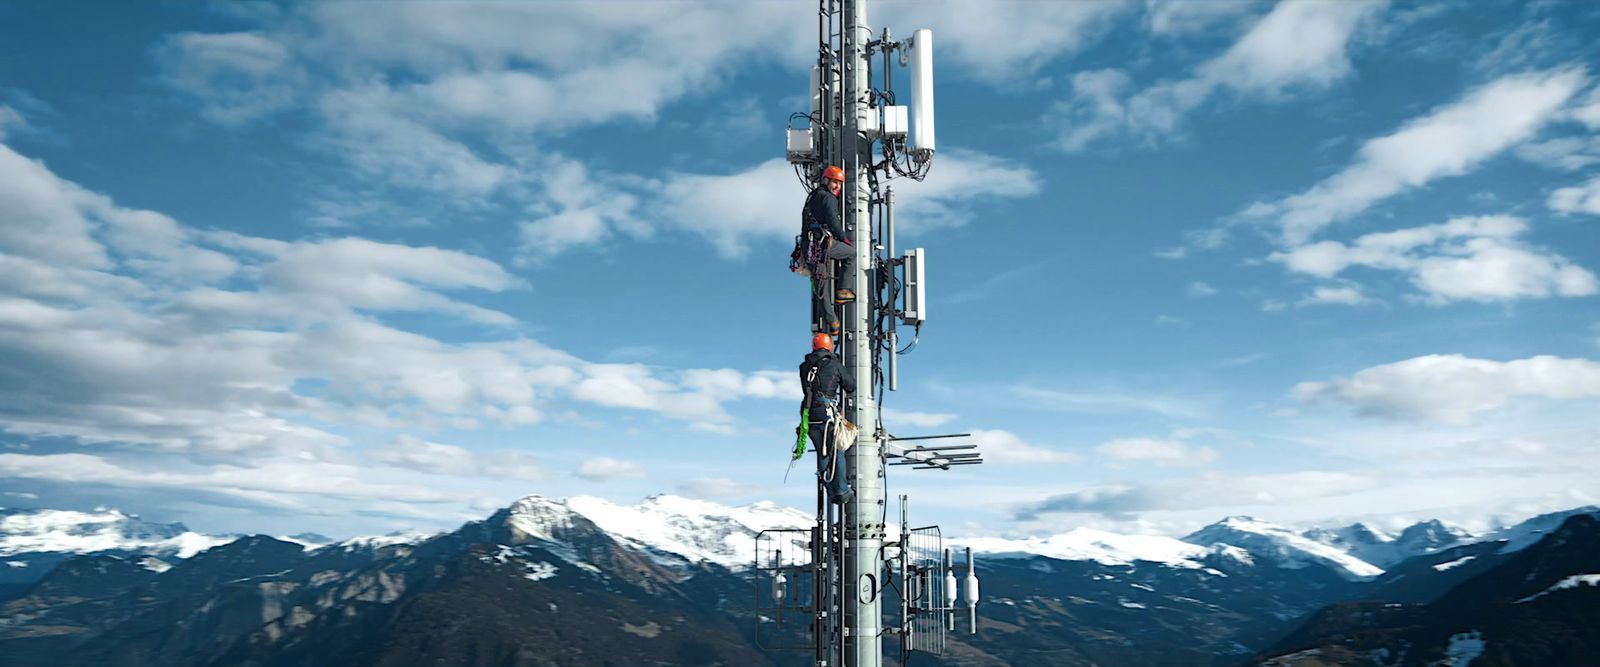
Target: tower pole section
863	515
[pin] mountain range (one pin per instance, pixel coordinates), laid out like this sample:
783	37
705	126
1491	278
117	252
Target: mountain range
586	581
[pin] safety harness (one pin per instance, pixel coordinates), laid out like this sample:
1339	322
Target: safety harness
810	246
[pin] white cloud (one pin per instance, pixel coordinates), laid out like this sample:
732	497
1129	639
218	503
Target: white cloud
226	346
1452	388
1299	45
1157	451
896	417
45	217
405	92
1205	491
10	120
1587	110
693	395
440	459
1201	289
605	469
238	77
1582	198
368	126
1465	259
363	274
287	477
1565	153
719	487
422	97
1004	447
1449	141
1346	295
763	202
1097	109
1109	402
1170	18
577	209
1002	42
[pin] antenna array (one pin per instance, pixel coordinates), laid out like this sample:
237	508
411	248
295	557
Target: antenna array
822	588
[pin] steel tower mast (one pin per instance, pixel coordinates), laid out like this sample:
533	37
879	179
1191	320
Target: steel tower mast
863	515
821	588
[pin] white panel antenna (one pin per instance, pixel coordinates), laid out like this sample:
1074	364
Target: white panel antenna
922	136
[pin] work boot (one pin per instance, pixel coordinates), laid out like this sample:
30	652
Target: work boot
833	329
844	296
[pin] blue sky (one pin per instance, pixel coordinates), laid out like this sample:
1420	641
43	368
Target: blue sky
355	267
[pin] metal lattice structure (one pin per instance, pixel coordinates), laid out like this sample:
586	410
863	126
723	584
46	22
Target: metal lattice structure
786	605
924	565
831	596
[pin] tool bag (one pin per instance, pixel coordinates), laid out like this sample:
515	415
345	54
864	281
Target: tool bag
844	433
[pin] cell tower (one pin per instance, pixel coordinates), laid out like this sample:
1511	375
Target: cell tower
823	588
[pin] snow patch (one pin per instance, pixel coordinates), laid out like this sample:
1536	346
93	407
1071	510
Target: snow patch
1454	564
1234	553
155	565
373	541
539	571
1093	545
16	563
1463	649
1573	581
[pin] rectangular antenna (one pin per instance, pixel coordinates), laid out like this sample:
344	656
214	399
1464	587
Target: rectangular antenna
916	287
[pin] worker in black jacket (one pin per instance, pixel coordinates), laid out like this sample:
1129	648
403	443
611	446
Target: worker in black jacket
822	376
822	216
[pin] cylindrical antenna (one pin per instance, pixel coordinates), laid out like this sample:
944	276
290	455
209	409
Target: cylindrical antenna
780	583
922	137
816	95
972	593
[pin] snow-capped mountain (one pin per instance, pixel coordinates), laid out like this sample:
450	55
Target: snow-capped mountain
1523	534
599	582
1530	606
62	531
32	542
1087	544
1282	545
694	530
1384	550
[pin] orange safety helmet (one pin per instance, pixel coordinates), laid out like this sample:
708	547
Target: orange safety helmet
833	173
822	341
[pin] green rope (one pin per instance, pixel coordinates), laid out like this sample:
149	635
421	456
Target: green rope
800	433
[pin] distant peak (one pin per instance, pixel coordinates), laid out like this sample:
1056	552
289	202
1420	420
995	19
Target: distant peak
536	502
1245	523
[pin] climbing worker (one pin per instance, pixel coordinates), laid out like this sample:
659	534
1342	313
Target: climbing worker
821	220
822	376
